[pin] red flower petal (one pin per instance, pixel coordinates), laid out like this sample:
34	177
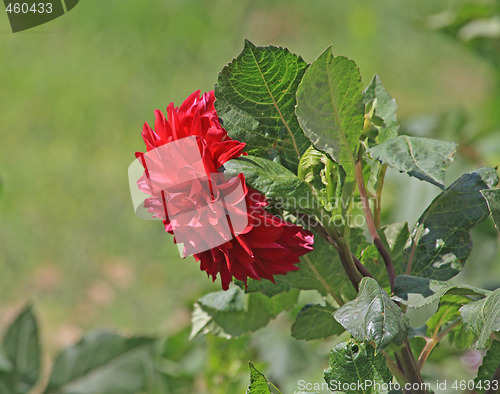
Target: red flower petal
267	246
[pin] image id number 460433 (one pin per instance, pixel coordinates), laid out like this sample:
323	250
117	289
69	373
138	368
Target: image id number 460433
27	8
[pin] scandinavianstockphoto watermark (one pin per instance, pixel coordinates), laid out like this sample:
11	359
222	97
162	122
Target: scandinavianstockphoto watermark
307	387
346	209
336	386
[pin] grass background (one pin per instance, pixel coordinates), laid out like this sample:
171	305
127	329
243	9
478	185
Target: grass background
75	92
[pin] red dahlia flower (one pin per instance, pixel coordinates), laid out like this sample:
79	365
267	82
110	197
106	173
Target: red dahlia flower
265	246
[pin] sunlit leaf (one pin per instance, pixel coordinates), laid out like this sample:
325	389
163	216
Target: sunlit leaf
385	108
423	158
330	108
256	100
258	382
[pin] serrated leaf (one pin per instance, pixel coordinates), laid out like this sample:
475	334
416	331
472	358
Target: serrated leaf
330	108
491	362
483	317
422	158
354	365
441	240
102	362
283	187
373	316
321	270
385	108
493	200
417	292
258	382
256	100
21	344
232	313
315	321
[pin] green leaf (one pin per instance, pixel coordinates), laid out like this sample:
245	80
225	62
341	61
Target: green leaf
102	362
493	200
483	317
321	270
265	286
385	109
311	164
417	292
491	362
21	344
441	240
232	313
448	312
7	383
372	316
327	179
259	383
5	363
256	99
422	158
284	188
315	321
352	364
330	108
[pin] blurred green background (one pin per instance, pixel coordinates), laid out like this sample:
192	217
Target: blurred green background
75	92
